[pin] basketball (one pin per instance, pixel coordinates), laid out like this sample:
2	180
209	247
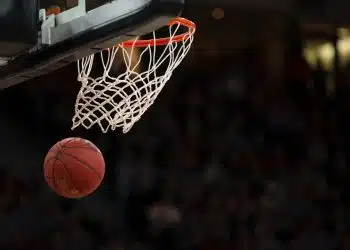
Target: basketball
74	167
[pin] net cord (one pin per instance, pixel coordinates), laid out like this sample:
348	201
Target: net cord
113	102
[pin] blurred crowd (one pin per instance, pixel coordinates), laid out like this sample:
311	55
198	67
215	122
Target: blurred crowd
224	160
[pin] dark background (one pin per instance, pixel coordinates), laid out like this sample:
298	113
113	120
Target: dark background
247	147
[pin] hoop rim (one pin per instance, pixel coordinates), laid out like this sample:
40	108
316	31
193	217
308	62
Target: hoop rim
164	40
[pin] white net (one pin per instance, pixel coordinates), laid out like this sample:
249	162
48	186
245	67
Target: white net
112	102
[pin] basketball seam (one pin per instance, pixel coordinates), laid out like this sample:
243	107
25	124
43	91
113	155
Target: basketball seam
86	165
67	142
53	178
71	180
82	147
46	162
76	139
89	145
56	154
54	183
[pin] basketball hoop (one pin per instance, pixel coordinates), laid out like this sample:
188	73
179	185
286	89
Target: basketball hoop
112	102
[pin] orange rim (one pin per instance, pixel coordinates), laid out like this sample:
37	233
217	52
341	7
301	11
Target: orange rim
164	41
54	10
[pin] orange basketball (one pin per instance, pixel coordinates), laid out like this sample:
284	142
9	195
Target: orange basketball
74	167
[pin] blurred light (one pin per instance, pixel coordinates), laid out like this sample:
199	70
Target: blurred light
343	32
344	46
325	52
218	13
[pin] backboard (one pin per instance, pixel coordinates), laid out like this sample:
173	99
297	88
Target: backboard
86	28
